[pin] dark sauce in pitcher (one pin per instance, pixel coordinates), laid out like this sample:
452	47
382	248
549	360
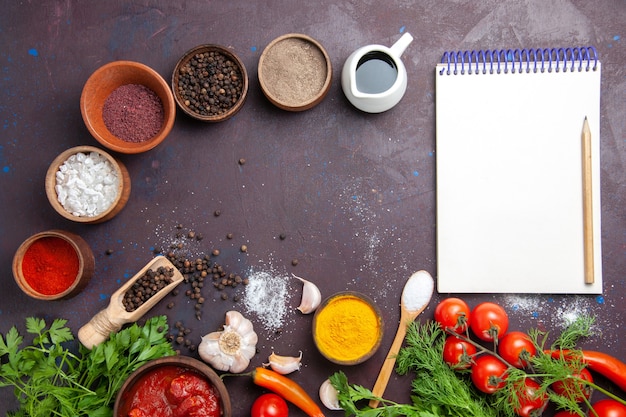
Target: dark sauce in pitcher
376	72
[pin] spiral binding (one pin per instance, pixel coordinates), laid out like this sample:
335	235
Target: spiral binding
519	60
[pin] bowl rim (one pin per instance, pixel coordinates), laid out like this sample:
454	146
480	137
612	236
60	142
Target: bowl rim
180	361
375	309
186	58
54	233
311	102
50	183
120	145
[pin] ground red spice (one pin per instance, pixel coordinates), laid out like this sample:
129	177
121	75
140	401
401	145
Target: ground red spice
133	113
50	265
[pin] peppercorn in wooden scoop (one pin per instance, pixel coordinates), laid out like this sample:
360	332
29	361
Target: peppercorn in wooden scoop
416	295
120	311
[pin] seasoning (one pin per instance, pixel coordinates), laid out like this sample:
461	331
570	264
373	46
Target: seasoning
347	329
146	286
50	265
210	83
133	113
87	184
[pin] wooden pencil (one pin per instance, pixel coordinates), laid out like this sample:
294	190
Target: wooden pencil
587	204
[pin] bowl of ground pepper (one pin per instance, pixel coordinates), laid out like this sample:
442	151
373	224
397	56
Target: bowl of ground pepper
295	72
210	83
87	185
128	107
347	328
53	265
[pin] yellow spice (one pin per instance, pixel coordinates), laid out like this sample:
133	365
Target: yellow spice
347	328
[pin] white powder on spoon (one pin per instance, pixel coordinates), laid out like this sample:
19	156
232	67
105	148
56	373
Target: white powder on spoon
418	291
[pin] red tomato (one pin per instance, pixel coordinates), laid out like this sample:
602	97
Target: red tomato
531	401
453	313
488	373
269	405
565	413
458	353
575	388
516	348
609	408
489	321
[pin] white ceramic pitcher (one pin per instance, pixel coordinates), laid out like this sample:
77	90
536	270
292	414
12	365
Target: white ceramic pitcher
374	78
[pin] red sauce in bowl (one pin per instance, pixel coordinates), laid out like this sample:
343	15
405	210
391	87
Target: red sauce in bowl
172	391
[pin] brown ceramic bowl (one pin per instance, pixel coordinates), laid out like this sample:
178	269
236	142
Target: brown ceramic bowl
108	78
29	279
123	186
295	72
182	91
124	396
337	330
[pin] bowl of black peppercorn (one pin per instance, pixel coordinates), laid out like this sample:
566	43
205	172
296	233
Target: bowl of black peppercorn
210	83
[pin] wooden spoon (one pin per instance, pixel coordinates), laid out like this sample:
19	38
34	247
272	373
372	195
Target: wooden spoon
415	297
112	318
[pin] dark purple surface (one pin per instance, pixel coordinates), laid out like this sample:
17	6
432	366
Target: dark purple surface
354	193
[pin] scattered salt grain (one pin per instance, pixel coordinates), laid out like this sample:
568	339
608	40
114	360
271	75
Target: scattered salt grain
267	296
418	291
86	184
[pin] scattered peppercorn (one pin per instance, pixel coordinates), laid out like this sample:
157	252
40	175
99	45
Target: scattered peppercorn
294	262
216	213
242	161
282	236
244	248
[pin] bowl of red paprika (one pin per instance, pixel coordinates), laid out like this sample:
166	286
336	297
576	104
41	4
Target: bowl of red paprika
53	265
174	385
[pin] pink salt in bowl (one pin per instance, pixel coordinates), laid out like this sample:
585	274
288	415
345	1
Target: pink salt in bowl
147	88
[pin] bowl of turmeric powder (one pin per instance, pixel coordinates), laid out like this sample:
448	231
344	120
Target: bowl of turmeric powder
347	328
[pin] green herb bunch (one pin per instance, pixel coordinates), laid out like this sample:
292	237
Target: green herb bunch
438	390
50	380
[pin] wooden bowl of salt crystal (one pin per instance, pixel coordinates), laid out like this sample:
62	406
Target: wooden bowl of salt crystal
87	185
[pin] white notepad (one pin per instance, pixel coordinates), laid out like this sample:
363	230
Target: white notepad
509	171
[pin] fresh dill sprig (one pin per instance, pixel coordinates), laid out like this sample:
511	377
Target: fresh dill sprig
435	382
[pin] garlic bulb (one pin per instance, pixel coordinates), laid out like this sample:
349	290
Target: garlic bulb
231	349
328	396
311	296
284	364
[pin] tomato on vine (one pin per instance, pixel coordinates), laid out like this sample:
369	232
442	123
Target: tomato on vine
575	387
453	313
565	413
608	408
488	373
517	349
532	401
458	353
489	321
269	405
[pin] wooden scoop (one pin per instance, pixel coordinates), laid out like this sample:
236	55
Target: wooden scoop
111	319
415	297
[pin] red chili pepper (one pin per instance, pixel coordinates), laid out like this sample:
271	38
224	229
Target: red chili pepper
288	389
606	365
